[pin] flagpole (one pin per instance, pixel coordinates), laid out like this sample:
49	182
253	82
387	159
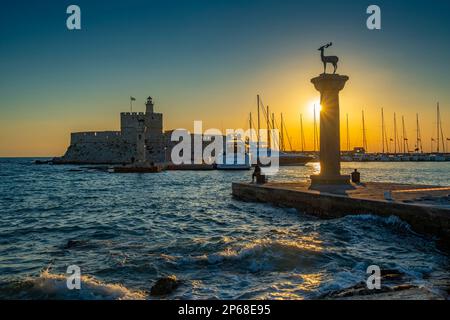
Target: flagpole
131	105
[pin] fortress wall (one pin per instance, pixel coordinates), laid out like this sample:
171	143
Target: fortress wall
98	147
154	122
94	137
129	125
99	153
154	133
118	146
154	138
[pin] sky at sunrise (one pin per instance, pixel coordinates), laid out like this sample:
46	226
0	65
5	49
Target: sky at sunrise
207	60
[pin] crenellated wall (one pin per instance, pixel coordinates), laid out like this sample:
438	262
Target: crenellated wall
95	137
153	135
129	125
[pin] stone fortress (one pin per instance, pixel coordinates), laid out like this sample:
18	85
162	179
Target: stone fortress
141	138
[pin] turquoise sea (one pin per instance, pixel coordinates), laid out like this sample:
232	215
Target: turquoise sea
127	230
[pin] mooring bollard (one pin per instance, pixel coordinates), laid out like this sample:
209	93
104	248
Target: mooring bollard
356	176
388	195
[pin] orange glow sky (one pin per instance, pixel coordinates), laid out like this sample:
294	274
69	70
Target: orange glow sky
208	69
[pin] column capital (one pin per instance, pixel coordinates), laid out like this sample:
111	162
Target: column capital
329	82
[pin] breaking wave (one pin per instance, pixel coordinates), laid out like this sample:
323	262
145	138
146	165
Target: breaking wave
390	221
266	254
54	286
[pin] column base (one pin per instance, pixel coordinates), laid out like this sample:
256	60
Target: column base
330	180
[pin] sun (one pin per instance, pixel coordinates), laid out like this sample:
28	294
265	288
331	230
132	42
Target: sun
314	104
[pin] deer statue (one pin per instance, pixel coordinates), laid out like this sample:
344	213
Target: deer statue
328	59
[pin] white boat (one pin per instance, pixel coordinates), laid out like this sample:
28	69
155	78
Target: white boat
346	158
437	157
405	158
233	158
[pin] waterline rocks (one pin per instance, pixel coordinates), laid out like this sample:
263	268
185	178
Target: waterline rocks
164	286
399	292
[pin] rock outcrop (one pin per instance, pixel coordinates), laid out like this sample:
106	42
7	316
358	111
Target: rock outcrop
165	286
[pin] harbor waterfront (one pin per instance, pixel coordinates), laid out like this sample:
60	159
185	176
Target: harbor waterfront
127	231
425	208
220	155
331	194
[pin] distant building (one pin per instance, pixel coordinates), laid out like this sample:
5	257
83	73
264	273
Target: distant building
140	139
124	146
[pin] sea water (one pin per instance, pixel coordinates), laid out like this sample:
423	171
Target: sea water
128	230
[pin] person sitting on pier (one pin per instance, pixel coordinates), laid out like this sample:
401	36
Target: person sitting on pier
260	178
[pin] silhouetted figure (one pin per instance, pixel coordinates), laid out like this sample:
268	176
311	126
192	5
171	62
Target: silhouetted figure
260	178
328	59
256	173
356	176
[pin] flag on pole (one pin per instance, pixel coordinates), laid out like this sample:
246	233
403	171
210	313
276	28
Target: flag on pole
131	103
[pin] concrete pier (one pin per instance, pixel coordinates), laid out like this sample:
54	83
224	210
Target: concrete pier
425	208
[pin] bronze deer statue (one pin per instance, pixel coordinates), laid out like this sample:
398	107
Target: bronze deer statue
328	59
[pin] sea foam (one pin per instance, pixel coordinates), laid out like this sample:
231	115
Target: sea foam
54	286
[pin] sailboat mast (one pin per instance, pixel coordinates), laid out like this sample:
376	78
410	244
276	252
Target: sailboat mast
420	135
405	138
417	133
438	120
364	133
382	129
302	135
315	128
442	133
273	126
395	134
268	126
348	136
419	147
250	127
403	134
282	133
258	135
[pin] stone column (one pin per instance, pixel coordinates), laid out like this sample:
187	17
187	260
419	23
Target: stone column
329	86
